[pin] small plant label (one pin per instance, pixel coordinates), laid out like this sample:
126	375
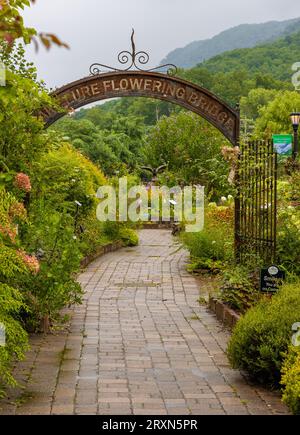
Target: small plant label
271	279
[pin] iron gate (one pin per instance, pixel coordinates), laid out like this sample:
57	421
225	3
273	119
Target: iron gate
256	203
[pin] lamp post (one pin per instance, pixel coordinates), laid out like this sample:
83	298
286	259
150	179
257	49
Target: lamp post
295	118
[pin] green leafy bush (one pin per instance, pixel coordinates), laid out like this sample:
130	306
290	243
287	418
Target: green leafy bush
64	184
192	149
289	240
109	139
93	235
263	335
22	135
238	289
117	231
11	305
288	237
12	301
274	117
212	247
97	234
291	380
128	236
63	176
52	235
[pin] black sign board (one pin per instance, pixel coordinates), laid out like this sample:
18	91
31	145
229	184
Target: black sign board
271	279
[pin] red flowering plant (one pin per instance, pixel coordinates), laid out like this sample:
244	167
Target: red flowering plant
7	232
13	270
31	262
22	182
11	213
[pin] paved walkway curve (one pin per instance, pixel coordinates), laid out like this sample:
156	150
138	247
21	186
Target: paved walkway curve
140	344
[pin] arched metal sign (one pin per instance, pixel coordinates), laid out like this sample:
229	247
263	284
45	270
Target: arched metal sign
141	82
147	84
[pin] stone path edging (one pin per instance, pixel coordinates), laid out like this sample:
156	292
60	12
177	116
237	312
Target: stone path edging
224	314
110	247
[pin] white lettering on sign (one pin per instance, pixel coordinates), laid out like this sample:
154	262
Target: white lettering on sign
104	87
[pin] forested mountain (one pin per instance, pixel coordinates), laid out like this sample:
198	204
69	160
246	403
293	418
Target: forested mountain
242	36
275	58
233	74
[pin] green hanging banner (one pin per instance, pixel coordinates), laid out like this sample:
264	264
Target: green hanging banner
283	145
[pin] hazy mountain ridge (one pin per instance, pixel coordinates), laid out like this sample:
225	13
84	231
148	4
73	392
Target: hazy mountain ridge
274	58
242	36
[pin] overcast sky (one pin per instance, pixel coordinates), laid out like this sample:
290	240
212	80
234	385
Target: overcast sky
97	30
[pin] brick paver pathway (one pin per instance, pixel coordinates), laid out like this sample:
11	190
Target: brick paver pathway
140	344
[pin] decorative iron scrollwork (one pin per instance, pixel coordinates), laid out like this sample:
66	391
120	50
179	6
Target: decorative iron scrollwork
133	60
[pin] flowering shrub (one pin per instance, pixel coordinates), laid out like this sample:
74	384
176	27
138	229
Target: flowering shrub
212	247
9	232
12	304
10	210
223	214
22	182
54	286
63	228
31	262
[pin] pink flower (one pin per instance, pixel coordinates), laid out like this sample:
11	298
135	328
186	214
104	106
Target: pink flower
11	233
31	262
8	38
22	181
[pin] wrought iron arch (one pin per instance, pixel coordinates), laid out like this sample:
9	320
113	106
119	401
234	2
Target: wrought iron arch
146	84
136	80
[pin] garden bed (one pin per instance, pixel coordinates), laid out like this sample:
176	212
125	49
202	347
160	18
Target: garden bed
102	250
224	314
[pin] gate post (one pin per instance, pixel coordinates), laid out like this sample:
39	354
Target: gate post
237	206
